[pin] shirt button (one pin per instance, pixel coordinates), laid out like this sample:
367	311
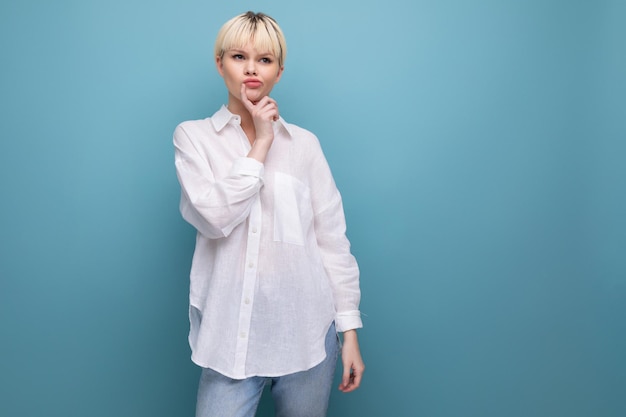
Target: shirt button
242	335
247	300
251	265
254	230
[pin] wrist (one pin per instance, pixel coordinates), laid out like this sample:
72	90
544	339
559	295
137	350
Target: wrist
264	140
349	335
260	148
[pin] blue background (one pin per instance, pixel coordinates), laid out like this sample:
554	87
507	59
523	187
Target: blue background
479	146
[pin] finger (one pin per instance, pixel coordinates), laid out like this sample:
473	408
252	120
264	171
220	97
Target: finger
347	388
244	98
345	380
265	101
271	112
272	107
356	382
267	111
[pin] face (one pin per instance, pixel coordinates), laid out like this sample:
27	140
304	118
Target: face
257	70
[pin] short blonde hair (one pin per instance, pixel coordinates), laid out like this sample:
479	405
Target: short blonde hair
258	28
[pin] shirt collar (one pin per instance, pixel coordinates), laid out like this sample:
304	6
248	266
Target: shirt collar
223	116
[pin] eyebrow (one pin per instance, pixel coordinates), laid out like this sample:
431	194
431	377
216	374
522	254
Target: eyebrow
268	53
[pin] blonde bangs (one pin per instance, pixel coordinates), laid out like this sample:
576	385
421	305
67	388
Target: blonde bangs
261	30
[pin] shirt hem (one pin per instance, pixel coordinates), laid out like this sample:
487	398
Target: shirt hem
257	374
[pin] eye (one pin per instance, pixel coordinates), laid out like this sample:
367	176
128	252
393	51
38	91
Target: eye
237	56
266	60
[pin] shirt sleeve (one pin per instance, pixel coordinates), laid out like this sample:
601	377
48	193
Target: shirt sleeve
214	206
330	232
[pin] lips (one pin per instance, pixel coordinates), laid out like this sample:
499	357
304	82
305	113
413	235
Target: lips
252	83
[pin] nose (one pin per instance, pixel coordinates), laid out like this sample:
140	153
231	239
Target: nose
250	67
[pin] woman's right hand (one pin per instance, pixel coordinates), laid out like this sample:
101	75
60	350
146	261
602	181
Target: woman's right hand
263	113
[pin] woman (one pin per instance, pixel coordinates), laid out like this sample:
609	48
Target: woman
272	280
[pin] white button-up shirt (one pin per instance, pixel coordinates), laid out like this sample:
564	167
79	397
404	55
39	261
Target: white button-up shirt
272	266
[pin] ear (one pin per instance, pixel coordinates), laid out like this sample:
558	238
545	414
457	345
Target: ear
280	73
219	64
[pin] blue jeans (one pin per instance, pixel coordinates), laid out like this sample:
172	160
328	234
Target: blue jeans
302	394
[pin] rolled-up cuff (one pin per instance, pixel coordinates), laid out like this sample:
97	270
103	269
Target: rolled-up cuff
348	320
247	166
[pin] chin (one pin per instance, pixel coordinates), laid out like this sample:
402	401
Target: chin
256	96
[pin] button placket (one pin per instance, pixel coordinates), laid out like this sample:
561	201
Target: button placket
249	283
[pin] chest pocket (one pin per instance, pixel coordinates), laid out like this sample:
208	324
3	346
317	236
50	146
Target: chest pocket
292	209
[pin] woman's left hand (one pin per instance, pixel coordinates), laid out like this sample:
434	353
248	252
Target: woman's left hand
353	365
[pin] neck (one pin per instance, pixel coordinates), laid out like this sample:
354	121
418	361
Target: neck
235	106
